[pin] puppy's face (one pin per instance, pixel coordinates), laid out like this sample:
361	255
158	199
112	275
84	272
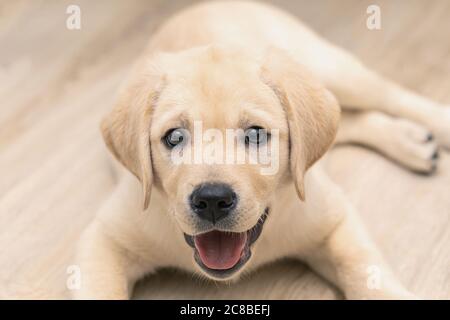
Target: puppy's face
216	131
214	101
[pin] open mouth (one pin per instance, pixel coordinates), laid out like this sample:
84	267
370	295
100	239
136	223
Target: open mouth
222	253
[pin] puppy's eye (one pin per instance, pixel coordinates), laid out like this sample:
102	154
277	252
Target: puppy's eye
174	137
256	136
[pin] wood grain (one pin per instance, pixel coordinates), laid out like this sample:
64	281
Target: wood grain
56	83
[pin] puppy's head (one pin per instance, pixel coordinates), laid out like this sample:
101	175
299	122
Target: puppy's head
196	125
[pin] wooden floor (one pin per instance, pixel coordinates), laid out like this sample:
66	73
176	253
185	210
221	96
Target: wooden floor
55	84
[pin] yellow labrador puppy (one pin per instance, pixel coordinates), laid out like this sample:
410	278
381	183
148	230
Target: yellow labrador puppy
257	72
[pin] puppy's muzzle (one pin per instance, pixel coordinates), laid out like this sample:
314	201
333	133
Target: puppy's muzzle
213	201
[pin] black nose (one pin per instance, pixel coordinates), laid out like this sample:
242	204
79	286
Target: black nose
213	201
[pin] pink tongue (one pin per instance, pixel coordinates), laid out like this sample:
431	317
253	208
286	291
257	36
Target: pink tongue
220	250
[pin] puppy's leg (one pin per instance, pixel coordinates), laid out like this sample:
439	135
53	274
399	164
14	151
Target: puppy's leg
104	265
351	261
107	265
357	87
346	256
404	141
335	243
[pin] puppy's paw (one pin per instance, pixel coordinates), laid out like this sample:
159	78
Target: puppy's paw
412	145
439	124
375	294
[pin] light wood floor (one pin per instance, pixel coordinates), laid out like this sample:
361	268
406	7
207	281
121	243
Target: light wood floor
55	84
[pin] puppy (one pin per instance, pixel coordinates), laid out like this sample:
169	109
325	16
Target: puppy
256	71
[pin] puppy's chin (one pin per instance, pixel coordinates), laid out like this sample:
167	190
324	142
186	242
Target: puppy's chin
221	255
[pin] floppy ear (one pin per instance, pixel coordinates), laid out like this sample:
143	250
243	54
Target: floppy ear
312	111
126	129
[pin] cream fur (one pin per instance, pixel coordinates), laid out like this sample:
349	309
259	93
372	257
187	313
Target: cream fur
286	74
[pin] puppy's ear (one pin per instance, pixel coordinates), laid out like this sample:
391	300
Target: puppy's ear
312	111
126	129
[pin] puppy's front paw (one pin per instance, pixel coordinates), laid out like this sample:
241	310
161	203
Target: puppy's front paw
382	295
